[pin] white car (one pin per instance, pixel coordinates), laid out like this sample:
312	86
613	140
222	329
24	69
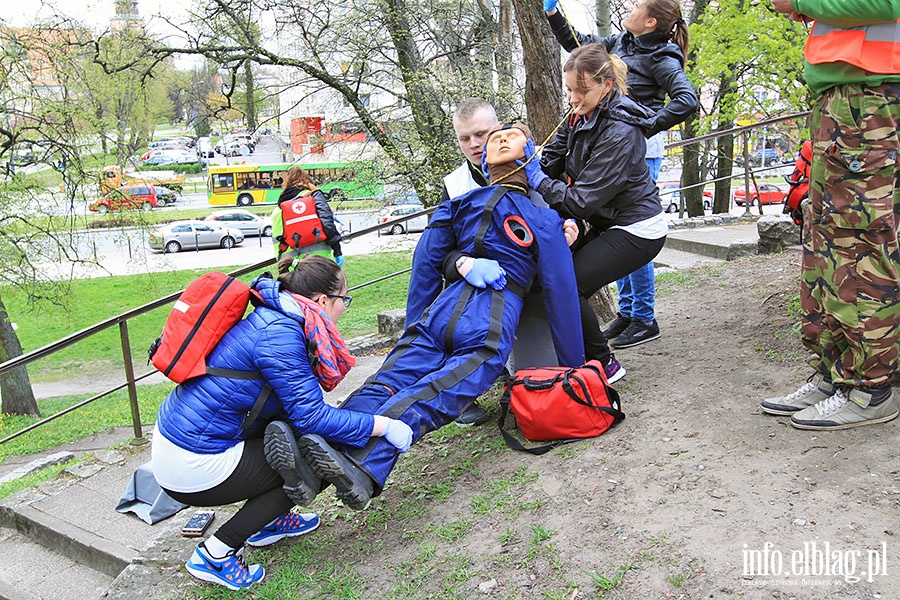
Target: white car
393	212
193	235
246	221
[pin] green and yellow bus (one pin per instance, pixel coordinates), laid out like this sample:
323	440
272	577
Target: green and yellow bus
243	185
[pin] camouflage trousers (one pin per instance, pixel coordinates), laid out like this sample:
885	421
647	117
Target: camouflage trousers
850	284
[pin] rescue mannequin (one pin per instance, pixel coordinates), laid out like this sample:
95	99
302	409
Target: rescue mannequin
458	337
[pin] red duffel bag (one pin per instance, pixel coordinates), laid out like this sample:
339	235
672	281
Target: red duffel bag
561	404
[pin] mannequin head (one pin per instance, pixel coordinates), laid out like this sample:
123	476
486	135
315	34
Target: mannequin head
506	144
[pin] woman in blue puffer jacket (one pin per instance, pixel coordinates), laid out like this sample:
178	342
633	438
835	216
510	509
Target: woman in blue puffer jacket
203	454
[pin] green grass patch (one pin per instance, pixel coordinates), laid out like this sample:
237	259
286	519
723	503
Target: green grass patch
90	301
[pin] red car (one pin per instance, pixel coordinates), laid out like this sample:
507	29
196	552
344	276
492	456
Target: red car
766	193
127	197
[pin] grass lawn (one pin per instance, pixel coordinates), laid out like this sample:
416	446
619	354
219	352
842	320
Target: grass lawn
91	301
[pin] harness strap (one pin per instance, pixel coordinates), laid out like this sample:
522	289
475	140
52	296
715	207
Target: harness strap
451	378
486	220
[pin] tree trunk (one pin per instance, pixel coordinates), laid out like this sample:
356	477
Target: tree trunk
604	18
543	71
250	90
15	387
690	170
505	100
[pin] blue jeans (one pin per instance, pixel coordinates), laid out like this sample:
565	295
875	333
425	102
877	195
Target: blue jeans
637	290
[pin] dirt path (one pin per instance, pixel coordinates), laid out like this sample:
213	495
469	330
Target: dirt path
673	503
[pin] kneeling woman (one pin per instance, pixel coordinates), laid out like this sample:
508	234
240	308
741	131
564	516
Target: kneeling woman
205	455
600	149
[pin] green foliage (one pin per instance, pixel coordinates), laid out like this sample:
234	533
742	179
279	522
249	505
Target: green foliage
187	168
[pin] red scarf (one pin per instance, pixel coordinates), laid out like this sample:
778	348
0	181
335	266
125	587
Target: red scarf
331	359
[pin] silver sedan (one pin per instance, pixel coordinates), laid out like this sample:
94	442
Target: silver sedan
193	235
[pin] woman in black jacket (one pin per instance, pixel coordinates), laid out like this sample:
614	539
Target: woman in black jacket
653	46
600	149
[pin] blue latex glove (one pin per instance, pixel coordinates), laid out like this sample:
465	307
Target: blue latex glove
533	168
550	5
339	260
486	272
484	165
398	434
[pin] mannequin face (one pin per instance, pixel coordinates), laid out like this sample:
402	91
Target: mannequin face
585	99
505	146
472	133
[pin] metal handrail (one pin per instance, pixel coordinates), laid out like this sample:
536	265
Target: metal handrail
121	320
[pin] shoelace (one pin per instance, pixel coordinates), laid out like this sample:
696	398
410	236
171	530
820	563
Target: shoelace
832	403
807	388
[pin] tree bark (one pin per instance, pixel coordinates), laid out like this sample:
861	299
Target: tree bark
15	387
543	71
250	91
604	18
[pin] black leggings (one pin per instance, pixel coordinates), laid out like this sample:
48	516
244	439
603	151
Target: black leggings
254	481
605	257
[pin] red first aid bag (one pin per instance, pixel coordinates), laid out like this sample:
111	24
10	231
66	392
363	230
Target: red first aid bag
210	306
561	404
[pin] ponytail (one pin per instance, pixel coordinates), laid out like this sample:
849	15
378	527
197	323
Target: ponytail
669	21
619	73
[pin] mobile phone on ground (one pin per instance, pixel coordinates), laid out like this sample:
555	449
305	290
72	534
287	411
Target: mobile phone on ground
198	523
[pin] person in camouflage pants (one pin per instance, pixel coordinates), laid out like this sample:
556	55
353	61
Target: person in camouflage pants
850	280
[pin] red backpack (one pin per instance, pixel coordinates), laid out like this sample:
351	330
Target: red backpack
798	182
210	306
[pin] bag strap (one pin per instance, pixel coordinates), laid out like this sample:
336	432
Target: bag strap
614	402
512	442
246	375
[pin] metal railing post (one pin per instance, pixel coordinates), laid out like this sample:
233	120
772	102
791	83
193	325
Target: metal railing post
129	377
746	136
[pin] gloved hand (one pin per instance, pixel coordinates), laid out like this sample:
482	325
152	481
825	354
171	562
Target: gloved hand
532	167
550	5
399	434
339	260
486	272
484	165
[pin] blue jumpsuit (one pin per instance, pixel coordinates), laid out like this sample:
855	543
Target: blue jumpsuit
458	338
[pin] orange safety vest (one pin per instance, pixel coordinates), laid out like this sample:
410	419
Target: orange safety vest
874	48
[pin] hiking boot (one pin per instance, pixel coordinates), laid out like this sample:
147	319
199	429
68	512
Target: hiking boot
846	409
616	328
816	389
354	486
301	484
474	415
288	525
614	371
230	571
636	333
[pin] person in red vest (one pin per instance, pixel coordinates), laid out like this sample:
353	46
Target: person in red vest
850	273
303	223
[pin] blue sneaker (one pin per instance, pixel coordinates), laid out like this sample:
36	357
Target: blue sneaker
230	571
288	525
614	371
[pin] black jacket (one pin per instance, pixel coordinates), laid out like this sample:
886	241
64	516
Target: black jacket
604	159
655	69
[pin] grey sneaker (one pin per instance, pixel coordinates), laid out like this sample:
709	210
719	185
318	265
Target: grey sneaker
844	410
812	392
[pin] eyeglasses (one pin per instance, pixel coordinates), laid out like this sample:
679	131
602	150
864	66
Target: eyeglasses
347	299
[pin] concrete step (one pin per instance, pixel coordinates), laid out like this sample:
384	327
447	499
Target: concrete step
29	571
724	243
669	258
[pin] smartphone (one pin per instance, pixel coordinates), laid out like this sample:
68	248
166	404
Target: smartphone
198	523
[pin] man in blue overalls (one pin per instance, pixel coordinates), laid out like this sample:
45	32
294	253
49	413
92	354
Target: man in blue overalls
458	337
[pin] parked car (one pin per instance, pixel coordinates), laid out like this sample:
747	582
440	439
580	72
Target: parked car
767	194
394	212
205	149
164	195
126	197
192	235
671	200
394	195
769	156
246	221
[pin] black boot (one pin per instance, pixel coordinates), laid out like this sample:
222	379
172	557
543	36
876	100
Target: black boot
354	486
301	484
